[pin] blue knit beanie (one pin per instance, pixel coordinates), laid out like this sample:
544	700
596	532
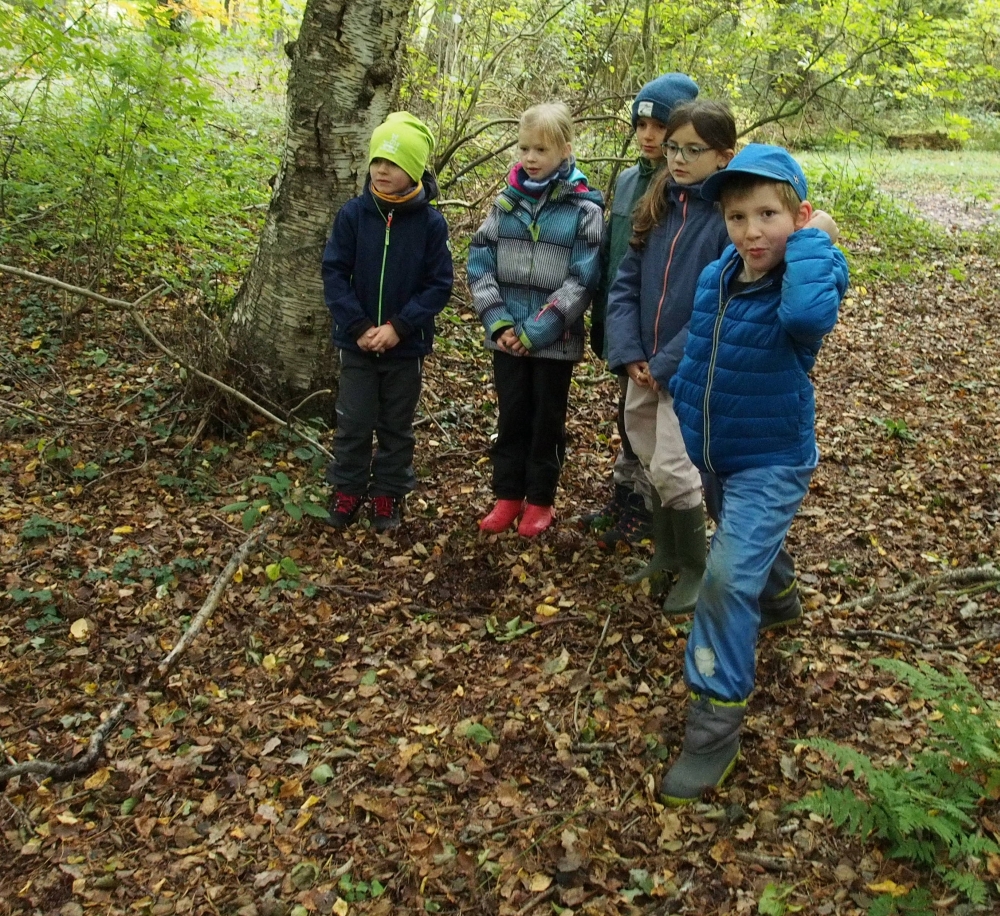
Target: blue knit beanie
658	97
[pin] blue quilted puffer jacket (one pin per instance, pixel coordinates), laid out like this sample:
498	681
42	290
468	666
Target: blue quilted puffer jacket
742	391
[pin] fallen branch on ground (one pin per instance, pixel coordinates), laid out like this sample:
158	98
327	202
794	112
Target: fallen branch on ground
130	309
62	772
930	584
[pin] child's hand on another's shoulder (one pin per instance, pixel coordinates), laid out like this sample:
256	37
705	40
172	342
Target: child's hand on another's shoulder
822	220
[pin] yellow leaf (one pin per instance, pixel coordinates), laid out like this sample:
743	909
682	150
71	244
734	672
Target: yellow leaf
425	729
123	529
67	819
98	778
90	689
889	887
238	575
80	630
540	882
546	610
340	907
36	343
343	637
270	662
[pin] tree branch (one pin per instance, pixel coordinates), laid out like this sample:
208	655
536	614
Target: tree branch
130	309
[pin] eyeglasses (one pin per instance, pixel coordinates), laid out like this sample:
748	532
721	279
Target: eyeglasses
688	153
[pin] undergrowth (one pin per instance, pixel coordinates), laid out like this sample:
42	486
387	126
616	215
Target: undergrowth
929	810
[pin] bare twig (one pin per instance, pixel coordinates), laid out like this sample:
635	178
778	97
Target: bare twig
771	863
988	573
82	764
881	634
130	309
60	772
538	900
208	608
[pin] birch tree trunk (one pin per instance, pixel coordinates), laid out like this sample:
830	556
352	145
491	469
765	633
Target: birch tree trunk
344	75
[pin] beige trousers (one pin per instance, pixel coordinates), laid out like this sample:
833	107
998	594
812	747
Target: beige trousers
655	434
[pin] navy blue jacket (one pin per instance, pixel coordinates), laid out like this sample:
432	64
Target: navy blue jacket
742	392
650	300
388	264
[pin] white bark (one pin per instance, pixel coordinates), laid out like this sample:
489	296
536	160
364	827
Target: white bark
342	80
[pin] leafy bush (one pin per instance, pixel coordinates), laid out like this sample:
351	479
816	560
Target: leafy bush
928	810
118	156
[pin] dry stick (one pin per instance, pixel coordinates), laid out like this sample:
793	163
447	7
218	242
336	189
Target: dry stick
83	764
130	308
208	608
537	901
912	640
61	772
579	693
931	583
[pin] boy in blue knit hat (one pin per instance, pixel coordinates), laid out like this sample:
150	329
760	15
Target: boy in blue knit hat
626	517
746	408
387	271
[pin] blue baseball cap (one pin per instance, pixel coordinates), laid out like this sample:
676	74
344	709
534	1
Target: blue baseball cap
759	159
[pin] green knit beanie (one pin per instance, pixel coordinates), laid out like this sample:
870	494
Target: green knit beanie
405	140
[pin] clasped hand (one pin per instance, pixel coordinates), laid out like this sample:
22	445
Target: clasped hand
378	340
640	374
510	343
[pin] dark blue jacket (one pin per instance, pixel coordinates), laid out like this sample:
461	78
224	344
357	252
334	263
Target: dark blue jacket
385	264
650	300
742	392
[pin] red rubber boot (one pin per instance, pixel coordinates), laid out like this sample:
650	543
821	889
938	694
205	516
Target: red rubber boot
504	514
535	520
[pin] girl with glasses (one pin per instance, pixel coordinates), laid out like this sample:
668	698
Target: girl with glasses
676	233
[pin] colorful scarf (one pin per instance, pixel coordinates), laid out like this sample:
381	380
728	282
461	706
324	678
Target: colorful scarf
535	187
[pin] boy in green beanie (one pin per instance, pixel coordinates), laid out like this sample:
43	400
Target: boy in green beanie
387	271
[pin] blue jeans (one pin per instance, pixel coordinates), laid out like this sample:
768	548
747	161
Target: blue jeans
758	506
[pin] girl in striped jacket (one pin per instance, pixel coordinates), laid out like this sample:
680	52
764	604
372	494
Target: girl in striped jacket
533	267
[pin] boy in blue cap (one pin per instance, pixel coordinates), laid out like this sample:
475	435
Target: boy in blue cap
387	271
747	413
626	517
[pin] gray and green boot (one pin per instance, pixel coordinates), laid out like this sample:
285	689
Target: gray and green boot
709	753
784	610
690	550
664	560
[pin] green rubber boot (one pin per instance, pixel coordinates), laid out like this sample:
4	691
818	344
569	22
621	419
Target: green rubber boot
688	527
664	559
709	753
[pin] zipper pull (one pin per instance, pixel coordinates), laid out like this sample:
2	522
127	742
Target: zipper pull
388	226
533	230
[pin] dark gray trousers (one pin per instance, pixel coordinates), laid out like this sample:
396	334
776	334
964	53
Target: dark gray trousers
378	394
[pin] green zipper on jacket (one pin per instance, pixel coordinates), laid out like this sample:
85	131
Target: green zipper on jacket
385	252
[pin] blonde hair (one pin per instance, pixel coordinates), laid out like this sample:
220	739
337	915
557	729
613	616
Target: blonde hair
552	120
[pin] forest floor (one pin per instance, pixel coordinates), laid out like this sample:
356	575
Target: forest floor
438	721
